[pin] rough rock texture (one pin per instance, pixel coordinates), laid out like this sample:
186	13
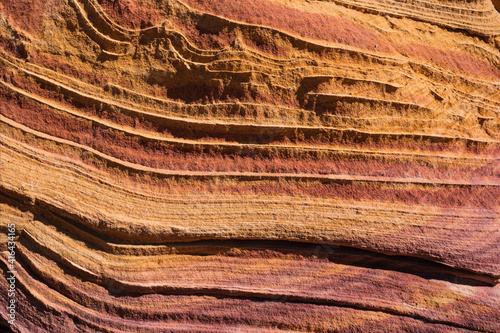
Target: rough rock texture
251	166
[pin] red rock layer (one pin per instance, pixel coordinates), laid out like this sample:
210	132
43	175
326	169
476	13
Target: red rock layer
208	166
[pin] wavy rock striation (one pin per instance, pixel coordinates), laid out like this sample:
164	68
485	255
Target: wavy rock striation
257	166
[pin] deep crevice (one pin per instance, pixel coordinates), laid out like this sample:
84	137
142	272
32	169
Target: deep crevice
339	254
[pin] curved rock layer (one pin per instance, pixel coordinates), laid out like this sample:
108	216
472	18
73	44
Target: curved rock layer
251	166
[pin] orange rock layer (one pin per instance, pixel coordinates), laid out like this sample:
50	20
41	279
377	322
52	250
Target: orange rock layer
250	166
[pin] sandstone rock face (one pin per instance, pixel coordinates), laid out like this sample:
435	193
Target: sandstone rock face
250	166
